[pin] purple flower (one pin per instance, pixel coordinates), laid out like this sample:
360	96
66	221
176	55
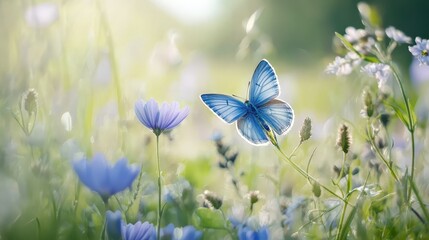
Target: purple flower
160	118
247	233
421	50
104	179
138	231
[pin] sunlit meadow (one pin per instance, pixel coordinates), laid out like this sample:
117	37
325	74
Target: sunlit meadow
105	133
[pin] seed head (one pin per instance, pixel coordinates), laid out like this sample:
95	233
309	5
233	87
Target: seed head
30	101
305	132
344	139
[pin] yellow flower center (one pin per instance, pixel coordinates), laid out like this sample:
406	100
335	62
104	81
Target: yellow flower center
425	53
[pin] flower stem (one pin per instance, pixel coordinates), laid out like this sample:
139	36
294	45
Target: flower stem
158	230
410	127
379	153
305	174
343	214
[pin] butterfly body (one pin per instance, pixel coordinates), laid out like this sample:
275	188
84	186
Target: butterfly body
252	110
260	117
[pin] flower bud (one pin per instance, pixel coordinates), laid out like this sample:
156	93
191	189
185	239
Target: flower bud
211	200
254	197
368	110
317	191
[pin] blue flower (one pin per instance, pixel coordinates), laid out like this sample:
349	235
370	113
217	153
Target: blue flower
167	232
138	231
185	233
421	50
190	233
246	233
160	118
104	179
114	225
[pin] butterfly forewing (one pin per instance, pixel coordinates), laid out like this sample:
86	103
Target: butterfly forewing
278	115
264	85
250	129
226	107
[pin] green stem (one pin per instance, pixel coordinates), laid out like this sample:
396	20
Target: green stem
158	230
115	68
377	150
136	192
419	199
343	214
305	174
410	126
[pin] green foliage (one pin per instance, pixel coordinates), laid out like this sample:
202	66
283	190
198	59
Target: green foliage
209	218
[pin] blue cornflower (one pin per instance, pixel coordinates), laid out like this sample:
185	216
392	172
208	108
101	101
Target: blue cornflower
104	179
160	118
114	225
185	233
421	50
247	233
138	231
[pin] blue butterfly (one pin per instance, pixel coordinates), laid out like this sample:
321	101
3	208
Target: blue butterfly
261	116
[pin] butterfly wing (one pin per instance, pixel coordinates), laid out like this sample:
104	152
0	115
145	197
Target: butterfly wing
264	85
225	107
250	129
278	115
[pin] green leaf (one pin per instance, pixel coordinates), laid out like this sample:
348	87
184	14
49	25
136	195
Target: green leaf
371	59
346	227
400	113
347	44
208	218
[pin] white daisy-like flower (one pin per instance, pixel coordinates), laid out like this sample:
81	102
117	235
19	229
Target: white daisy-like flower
360	39
421	50
354	35
379	71
343	65
340	66
397	35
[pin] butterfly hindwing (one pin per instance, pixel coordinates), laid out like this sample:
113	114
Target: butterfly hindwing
278	115
250	129
264	85
226	107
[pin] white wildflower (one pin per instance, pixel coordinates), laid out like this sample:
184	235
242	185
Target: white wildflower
379	71
397	35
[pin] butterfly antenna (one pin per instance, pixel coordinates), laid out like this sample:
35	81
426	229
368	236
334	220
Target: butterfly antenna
247	92
238	97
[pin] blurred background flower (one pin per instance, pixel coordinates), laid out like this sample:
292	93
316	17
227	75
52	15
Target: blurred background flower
104	179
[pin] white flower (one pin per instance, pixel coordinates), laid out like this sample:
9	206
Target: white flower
421	50
397	35
343	65
354	35
379	71
360	39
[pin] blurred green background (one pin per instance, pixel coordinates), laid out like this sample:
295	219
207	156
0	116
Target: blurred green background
93	59
79	54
